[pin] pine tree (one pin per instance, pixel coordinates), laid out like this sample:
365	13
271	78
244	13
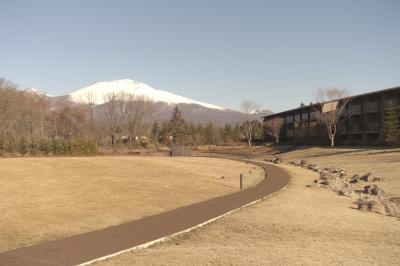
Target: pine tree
391	126
177	127
155	133
236	134
226	134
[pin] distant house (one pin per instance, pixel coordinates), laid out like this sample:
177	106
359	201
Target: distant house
364	127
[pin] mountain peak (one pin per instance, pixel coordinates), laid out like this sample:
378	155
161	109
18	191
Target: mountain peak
100	89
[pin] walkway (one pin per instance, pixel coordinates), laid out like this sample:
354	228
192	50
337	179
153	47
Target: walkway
96	244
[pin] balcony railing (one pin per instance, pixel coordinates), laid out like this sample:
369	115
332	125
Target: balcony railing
343	130
313	115
355	109
356	128
390	103
372	126
371	107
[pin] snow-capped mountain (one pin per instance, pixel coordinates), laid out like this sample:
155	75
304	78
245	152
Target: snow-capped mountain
164	102
99	90
36	91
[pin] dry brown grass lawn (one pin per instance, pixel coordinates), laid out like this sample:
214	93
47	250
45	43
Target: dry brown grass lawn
297	226
50	198
383	162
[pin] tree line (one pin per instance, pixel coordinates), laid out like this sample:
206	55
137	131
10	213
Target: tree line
34	124
177	131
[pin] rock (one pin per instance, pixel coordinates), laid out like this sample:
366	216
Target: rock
376	206
366	177
302	162
395	200
313	167
392	206
367	189
346	190
353	180
377	179
362	204
324	171
333	170
373	190
315	181
296	163
371	205
276	160
342	174
222	177
376	191
323	176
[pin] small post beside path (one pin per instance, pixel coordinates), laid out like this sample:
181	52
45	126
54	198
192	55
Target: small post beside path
241	181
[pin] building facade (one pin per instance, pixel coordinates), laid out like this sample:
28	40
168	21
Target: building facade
363	126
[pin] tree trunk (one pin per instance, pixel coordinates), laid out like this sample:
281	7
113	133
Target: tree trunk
112	140
277	140
249	141
333	141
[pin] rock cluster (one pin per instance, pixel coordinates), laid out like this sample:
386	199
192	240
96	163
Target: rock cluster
276	160
369	196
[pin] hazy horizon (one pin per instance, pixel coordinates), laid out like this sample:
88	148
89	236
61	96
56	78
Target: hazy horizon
276	53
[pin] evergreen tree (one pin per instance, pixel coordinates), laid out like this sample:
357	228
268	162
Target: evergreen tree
199	134
236	135
226	134
391	126
155	133
211	134
191	134
177	127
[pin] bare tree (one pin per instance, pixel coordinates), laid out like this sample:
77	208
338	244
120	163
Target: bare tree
332	103
115	110
251	110
90	99
139	111
273	128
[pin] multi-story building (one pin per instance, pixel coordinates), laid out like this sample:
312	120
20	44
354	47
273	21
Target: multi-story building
362	127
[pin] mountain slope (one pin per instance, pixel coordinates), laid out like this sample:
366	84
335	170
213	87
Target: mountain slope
164	102
100	89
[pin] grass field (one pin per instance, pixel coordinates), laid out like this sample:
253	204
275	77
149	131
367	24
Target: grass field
301	225
298	226
49	198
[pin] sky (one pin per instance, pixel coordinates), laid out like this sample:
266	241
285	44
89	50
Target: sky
276	53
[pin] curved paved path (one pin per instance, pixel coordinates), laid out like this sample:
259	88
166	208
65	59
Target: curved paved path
96	244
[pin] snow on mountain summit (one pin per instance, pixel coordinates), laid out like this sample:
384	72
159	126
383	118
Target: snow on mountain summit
99	89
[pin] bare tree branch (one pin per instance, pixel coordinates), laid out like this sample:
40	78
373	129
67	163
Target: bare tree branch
332	104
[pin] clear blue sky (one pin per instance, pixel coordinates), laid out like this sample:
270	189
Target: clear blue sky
274	52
